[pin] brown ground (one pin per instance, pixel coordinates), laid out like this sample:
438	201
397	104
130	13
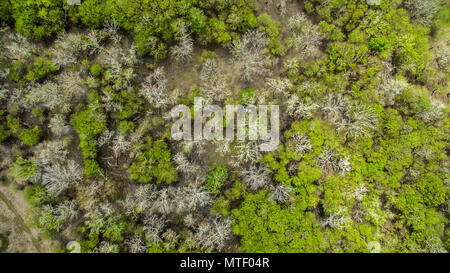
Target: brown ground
13	227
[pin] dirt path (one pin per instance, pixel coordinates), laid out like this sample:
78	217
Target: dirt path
21	238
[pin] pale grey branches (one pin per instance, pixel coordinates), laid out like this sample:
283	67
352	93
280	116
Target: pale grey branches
249	55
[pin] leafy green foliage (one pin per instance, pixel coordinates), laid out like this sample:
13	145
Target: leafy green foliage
153	162
30	137
38	19
23	168
217	176
89	123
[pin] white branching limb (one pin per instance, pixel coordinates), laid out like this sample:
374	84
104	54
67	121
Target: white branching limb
434	113
213	235
328	160
106	247
183	50
112	29
391	88
153	227
223	147
301	143
154	88
256	177
214	84
344	164
194	197
280	86
120	145
249	55
71	83
68	48
59	126
359	122
306	36
57	178
105	138
334	107
246	152
52	96
359	192
51	152
189	220
299	108
338	219
183	165
18	47
282	194
423	11
136	244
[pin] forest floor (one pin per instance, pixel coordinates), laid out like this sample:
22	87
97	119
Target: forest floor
16	235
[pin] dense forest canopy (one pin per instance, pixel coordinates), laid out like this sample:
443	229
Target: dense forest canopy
85	127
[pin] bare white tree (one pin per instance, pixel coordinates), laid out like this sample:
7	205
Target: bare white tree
299	108
359	122
52	151
256	177
391	88
249	55
120	145
153	227
334	107
280	86
194	197
301	143
58	177
214	84
246	152
282	194
136	244
106	247
338	219
182	51
154	88
67	49
183	165
434	113
423	11
52	96
213	235
59	126
306	36
105	138
18	47
112	29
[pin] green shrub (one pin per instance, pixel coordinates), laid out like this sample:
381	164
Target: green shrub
40	68
39	18
30	137
36	195
217	176
96	70
23	168
4	133
153	162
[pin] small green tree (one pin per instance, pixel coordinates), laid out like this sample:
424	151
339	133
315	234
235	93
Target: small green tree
217	176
